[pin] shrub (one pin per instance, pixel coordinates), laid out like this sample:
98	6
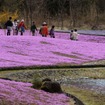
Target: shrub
5	15
37	82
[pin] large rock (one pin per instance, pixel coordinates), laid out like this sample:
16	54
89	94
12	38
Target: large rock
52	87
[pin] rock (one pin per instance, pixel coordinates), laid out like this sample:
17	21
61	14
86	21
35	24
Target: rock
52	87
46	79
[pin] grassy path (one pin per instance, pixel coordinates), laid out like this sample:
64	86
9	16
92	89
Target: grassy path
86	96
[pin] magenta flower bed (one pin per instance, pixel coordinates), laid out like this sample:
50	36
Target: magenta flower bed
30	50
18	93
84	38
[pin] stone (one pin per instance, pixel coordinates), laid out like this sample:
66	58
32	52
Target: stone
52	87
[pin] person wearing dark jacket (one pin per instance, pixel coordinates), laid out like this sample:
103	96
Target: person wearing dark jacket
51	33
33	28
9	25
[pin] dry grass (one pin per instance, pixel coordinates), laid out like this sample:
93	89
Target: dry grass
86	96
95	73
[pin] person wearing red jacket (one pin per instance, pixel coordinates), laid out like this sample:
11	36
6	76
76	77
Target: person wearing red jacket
44	30
22	27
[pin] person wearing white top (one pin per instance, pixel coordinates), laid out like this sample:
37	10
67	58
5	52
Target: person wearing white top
15	27
75	35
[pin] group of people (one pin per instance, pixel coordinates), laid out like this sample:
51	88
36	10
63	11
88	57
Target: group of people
16	26
74	35
44	30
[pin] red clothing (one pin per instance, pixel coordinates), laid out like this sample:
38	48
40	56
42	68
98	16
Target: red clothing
21	24
44	30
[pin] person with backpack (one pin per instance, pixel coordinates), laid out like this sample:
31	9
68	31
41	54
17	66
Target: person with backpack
33	28
9	25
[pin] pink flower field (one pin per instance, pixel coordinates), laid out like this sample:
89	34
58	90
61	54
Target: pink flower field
28	50
18	93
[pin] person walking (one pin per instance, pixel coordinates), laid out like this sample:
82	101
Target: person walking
15	27
9	25
44	30
33	28
22	27
51	33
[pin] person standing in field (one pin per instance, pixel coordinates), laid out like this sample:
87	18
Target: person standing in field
33	28
71	35
51	33
44	30
15	27
21	27
75	35
9	25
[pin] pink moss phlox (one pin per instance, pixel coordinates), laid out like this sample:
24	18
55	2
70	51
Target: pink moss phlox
14	93
30	50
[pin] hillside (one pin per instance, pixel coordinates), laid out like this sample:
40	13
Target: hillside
27	50
30	50
18	93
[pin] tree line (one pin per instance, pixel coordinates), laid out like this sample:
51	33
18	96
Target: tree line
62	13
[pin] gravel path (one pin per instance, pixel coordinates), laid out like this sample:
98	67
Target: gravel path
86	32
